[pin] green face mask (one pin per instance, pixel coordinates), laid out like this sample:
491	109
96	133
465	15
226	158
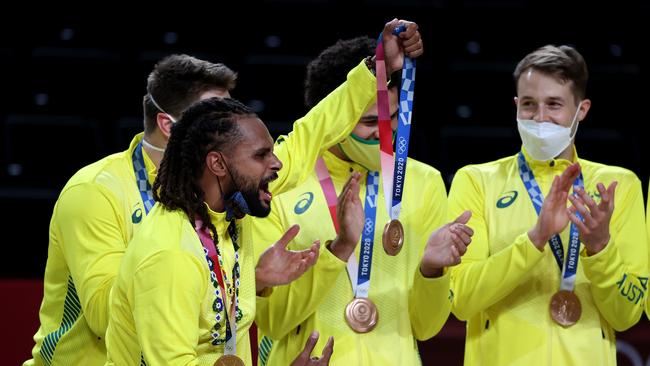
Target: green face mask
361	151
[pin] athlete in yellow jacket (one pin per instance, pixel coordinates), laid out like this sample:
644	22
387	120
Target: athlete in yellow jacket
170	304
163	305
412	303
98	211
102	205
507	278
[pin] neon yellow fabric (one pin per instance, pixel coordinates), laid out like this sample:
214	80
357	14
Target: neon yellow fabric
504	284
324	125
409	305
162	300
647	212
94	217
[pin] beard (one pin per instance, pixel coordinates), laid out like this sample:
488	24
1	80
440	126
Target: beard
250	191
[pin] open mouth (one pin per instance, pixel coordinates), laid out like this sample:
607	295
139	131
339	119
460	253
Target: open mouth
265	194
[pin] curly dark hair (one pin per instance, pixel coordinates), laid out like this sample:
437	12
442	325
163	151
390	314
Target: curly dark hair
330	69
564	62
177	81
210	125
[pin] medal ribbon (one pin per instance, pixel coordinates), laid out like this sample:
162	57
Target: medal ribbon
358	271
141	178
571	264
393	170
215	263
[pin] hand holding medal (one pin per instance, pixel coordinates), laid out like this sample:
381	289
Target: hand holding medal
407	43
393	169
399	38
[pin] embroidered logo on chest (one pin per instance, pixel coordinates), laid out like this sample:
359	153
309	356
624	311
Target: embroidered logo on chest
303	203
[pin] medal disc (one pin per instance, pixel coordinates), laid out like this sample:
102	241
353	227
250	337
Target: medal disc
361	315
565	308
393	237
229	360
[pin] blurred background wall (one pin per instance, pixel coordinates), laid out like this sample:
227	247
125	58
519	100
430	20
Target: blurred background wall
72	81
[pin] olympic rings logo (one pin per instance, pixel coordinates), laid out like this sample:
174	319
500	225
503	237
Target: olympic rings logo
401	145
369	225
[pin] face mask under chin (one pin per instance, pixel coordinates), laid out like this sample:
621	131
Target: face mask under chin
244	200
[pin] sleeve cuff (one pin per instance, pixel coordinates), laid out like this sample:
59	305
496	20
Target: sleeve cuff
432	284
265	293
328	260
363	78
602	262
527	249
604	254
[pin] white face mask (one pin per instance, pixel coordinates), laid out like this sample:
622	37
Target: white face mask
545	140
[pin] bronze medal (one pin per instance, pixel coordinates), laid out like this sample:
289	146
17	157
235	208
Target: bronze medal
393	237
565	308
229	360
361	315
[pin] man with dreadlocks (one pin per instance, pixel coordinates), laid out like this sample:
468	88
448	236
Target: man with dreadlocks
167	305
98	211
105	203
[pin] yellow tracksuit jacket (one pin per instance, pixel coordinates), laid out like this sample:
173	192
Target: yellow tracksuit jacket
100	208
410	306
161	304
647	212
504	284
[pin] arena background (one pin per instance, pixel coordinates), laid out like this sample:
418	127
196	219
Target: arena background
72	82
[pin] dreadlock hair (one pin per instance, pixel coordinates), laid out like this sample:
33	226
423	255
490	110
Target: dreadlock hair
209	125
